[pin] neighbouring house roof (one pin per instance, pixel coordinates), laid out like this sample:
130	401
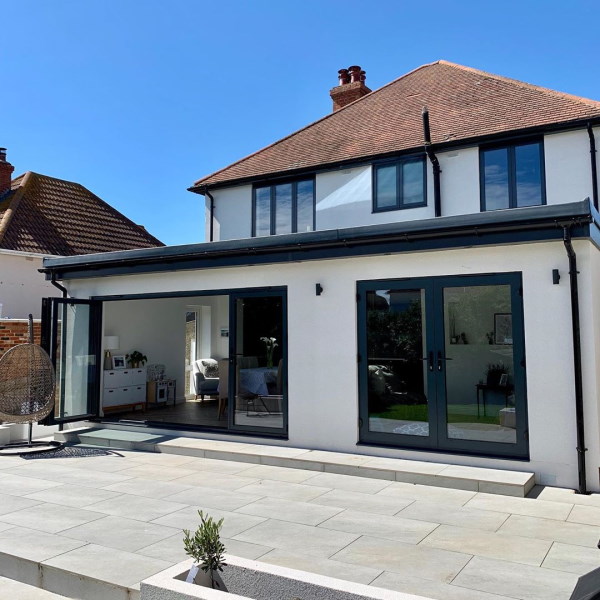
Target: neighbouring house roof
46	215
463	103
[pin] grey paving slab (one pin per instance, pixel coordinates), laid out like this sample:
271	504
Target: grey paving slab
136	507
9	588
381	526
322	566
348	483
389	555
245	549
120	533
288	510
516	581
568	496
521	506
149	488
149	471
460	516
406	466
590	515
77	586
213	498
426	492
284	490
222	481
372	503
430	589
109	464
35	545
72	495
8	462
549	529
10	503
162	460
50	518
114	566
573	559
171	548
295	537
277	473
188	518
16	485
218	466
492	545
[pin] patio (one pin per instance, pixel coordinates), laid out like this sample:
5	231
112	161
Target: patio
92	522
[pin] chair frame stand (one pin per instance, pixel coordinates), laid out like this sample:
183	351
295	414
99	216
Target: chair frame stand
30	446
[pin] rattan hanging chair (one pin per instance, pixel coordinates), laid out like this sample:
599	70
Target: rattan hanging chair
27	386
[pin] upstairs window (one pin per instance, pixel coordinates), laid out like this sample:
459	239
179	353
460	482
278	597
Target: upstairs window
284	208
512	176
399	184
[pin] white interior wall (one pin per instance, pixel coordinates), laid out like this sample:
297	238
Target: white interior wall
22	287
322	369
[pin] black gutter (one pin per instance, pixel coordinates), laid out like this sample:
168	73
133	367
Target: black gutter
590	131
212	214
442	146
581	449
437	199
62	288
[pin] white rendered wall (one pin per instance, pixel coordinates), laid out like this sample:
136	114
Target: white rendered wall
344	196
22	287
323	404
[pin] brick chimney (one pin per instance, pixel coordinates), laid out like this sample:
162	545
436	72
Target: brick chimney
352	87
6	170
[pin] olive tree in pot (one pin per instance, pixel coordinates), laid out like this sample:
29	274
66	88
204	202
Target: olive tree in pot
207	550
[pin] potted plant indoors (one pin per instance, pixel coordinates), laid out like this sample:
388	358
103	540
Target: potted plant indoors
135	359
207	550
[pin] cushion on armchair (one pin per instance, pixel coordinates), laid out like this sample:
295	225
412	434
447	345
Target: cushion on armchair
209	367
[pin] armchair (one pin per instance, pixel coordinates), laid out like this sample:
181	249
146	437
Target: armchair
206	379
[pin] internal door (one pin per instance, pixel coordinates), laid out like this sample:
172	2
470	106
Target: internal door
442	364
257	363
71	336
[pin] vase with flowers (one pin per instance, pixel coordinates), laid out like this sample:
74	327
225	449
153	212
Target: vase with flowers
271	344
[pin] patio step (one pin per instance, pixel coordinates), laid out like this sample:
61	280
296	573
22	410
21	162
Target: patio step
477	479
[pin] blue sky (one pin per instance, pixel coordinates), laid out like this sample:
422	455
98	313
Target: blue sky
137	99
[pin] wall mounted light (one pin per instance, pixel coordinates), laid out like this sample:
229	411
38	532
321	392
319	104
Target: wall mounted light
318	289
555	277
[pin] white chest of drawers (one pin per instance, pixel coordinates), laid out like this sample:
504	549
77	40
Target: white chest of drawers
124	388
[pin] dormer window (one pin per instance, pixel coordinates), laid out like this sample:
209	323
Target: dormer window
512	176
399	184
284	208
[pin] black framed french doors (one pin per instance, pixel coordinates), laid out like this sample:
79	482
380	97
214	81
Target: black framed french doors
257	385
442	364
71	332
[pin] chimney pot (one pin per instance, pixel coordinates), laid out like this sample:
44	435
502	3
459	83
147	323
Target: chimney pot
344	78
6	170
351	87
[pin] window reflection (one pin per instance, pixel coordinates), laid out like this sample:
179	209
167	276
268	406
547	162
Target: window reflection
412	183
283	208
262	218
496	179
528	175
386	186
305	205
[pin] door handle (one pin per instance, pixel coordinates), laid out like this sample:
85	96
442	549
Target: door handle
440	360
429	359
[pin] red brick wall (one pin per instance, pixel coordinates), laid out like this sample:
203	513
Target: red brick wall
14	332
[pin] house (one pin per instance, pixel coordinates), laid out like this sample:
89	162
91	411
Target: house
43	216
415	275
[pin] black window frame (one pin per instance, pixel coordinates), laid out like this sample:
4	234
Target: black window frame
272	200
398	162
512	181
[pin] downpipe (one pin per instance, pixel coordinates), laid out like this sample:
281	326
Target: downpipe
212	215
435	163
575	319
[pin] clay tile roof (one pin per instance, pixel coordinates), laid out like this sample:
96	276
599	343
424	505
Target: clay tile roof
463	103
45	215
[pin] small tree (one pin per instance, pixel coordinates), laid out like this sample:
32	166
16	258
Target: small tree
205	546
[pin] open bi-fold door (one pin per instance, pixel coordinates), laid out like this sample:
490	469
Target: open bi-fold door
71	335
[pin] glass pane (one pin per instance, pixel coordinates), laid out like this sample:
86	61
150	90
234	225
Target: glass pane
412	183
305	202
397	375
480	393
495	165
262	217
528	175
386	192
259	384
76	361
283	208
190	350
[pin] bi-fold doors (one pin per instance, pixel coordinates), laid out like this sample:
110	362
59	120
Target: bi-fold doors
442	364
257	366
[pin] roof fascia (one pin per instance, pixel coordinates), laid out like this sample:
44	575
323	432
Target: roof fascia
438	147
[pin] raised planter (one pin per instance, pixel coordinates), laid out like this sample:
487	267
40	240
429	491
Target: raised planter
252	580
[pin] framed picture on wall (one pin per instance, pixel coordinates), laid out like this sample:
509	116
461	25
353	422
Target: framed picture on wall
503	329
119	362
